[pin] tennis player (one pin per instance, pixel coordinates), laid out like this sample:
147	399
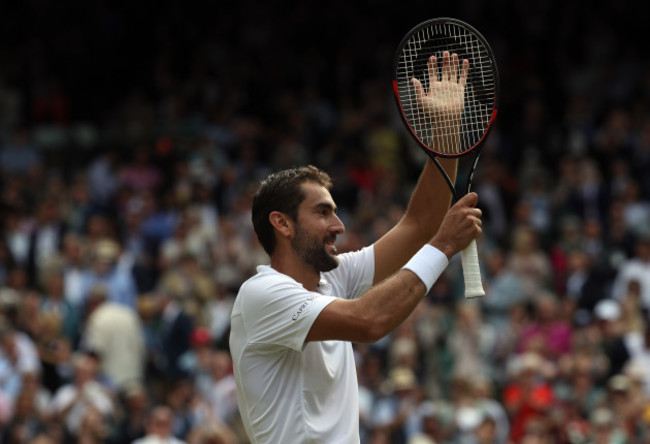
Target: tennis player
294	321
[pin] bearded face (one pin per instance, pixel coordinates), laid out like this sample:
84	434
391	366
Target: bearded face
313	250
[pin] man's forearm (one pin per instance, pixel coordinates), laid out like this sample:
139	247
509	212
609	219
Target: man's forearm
431	197
388	304
427	207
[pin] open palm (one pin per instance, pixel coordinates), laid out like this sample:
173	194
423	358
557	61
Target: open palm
446	94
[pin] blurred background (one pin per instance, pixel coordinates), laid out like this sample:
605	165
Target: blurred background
133	135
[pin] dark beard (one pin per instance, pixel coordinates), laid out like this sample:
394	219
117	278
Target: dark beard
313	253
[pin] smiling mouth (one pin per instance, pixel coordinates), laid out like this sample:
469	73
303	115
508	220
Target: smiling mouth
330	243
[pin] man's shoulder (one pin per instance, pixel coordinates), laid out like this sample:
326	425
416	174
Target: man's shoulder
265	277
112	310
260	284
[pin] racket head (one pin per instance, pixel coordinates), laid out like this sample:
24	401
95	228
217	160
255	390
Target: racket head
481	94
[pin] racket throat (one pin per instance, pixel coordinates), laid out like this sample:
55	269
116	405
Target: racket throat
452	186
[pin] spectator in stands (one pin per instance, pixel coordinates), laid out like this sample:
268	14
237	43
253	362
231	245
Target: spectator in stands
114	333
83	396
159	427
105	271
528	396
174	334
20	156
528	261
18	356
636	268
46	236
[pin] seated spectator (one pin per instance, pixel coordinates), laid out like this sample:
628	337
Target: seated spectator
73	401
636	268
74	258
114	332
196	361
54	303
433	428
471	343
140	173
159	427
20	156
220	390
106	271
528	396
528	261
133	422
604	428
546	334
170	339
191	284
614	343
217	313
18	356
46	237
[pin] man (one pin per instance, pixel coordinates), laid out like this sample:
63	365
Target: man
106	270
159	427
18	357
636	268
114	332
294	321
73	401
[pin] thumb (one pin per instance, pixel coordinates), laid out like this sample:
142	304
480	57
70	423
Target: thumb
419	91
468	200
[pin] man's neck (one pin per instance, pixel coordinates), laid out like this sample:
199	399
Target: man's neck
297	270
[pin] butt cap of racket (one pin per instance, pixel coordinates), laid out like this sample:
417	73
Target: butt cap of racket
471	271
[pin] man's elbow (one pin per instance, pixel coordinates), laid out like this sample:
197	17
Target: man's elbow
373	331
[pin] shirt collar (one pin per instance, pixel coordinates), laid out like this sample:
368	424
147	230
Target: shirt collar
324	286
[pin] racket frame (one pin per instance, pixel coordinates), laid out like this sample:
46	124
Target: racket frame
475	149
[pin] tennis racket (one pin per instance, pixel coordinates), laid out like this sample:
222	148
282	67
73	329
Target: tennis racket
446	86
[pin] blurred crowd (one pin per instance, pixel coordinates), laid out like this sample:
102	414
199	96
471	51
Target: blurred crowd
132	140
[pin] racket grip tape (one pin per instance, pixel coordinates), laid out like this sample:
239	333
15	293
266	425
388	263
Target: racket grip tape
471	271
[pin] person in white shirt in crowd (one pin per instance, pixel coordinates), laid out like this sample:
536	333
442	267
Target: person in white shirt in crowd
636	268
74	400
18	356
114	332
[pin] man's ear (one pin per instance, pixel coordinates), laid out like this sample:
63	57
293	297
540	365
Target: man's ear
282	223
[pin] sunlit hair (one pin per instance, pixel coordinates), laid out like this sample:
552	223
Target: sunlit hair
282	192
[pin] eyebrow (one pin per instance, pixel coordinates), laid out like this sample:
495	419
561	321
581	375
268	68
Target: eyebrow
326	205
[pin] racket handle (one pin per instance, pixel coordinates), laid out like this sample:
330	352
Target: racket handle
471	271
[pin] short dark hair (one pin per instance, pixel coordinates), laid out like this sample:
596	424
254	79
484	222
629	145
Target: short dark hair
282	191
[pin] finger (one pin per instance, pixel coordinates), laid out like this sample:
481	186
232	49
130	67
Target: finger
454	67
468	200
464	70
419	90
433	71
445	66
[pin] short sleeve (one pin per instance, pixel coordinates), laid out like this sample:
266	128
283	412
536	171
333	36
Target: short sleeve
279	311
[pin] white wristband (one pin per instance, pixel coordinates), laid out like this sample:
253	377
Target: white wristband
428	264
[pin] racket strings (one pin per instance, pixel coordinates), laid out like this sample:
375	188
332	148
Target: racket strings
451	132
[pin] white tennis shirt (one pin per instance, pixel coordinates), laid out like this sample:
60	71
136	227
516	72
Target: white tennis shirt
289	391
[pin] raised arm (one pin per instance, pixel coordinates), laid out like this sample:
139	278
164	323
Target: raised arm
382	308
428	218
427	207
431	196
